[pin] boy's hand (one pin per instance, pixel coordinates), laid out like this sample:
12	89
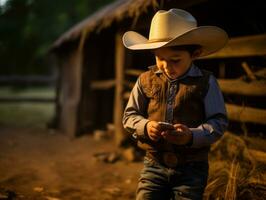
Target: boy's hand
180	136
153	130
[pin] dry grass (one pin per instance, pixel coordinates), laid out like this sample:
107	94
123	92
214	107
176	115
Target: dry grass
235	170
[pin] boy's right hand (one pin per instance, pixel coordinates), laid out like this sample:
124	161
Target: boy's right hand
153	130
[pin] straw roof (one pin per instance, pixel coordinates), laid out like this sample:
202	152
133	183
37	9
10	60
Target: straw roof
116	12
104	18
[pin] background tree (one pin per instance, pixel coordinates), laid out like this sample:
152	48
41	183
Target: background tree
29	27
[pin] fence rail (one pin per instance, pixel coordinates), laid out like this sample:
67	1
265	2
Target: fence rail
26	80
17	80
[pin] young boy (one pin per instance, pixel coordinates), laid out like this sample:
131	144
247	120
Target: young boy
178	92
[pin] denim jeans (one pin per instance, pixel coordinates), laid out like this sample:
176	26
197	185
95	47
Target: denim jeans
186	182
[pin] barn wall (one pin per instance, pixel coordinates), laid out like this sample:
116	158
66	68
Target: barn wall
96	106
68	92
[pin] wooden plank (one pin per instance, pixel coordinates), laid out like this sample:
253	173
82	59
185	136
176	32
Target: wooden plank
119	83
102	85
246	114
240	87
254	45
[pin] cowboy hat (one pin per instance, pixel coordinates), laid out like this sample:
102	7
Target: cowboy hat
177	27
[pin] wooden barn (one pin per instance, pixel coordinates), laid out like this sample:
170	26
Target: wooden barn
96	72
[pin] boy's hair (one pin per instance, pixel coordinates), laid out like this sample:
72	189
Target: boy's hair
191	48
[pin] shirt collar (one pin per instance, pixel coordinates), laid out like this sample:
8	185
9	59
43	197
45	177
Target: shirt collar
193	71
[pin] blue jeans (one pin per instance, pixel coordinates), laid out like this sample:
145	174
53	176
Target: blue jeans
186	182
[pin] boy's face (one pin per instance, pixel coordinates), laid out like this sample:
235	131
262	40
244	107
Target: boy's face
174	63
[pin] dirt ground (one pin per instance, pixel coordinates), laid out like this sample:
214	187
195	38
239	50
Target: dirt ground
39	164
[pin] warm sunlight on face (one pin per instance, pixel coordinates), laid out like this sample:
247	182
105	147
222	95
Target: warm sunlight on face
174	63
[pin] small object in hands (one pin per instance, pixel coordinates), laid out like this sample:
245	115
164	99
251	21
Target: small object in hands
164	126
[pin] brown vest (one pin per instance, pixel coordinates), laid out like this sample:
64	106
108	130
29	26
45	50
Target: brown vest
188	105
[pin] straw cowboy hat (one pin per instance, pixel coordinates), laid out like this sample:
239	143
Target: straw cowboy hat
177	27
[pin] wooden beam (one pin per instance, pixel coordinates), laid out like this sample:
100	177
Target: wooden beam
119	83
246	114
241	87
246	46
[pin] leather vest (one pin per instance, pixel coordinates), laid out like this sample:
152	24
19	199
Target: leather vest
188	104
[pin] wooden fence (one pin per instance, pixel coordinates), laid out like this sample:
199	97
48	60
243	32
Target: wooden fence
241	47
27	81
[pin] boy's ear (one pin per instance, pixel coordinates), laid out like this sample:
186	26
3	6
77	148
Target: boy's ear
197	53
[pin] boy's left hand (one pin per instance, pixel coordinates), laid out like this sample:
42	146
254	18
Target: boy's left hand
182	135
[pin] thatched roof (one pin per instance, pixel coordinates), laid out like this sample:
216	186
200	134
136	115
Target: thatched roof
104	17
116	11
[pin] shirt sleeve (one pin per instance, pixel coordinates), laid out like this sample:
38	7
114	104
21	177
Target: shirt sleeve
216	117
135	117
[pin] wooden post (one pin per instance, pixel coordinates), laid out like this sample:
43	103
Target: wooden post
119	82
69	95
222	70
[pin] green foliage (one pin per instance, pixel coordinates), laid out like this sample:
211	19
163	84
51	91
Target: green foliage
29	27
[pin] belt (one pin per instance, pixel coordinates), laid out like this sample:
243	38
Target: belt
167	159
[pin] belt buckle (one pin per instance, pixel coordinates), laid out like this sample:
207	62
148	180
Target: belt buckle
170	159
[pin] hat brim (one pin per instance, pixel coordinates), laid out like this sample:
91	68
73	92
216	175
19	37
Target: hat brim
210	38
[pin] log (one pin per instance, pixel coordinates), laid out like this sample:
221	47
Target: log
246	114
246	46
259	156
119	83
241	87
